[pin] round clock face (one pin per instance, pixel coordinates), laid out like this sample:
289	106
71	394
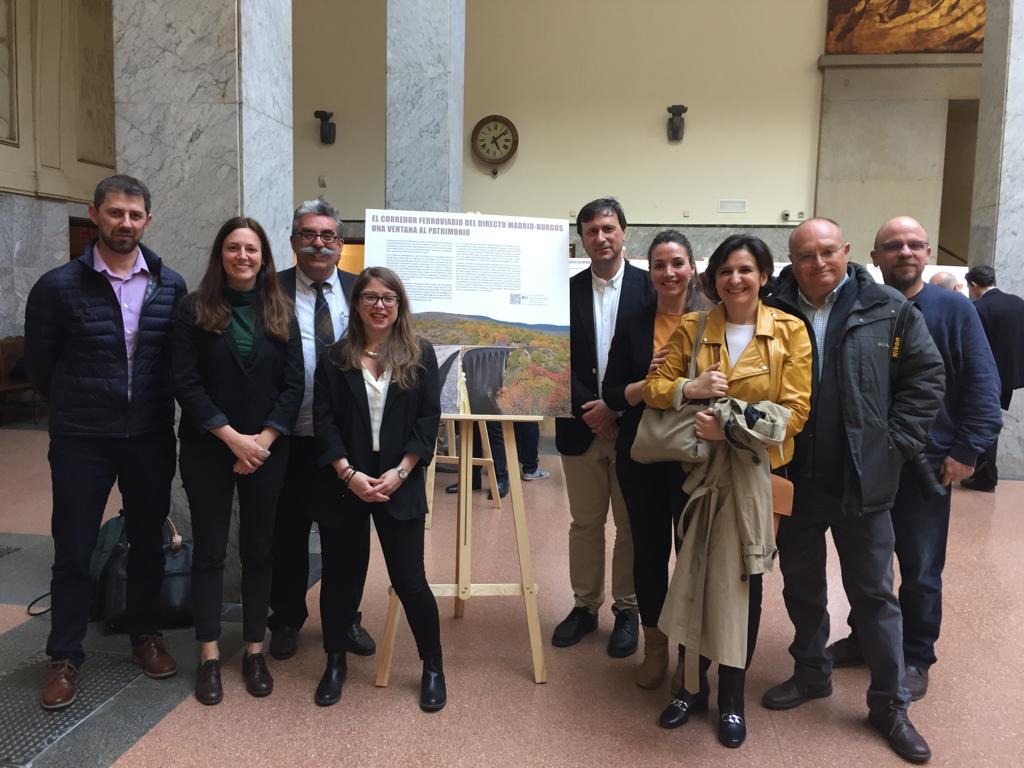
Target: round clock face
494	139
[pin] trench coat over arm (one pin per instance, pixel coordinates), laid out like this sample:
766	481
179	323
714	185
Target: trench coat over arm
728	535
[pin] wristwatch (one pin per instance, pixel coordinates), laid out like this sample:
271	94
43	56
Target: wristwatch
402	472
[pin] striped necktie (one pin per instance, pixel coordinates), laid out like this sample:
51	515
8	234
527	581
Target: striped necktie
323	327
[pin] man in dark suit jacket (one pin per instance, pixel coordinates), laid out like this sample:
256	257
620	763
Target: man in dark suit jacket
321	293
1002	316
608	295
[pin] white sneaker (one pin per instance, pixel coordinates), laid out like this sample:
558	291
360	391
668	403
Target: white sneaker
537	474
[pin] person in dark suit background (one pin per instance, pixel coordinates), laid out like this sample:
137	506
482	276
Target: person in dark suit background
238	379
653	492
321	293
1002	317
376	412
608	296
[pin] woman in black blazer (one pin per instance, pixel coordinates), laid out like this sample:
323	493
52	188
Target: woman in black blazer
376	412
239	380
653	492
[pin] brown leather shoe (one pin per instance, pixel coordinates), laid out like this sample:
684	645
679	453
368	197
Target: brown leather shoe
258	680
60	685
151	654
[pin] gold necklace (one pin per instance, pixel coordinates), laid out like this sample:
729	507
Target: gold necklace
368	353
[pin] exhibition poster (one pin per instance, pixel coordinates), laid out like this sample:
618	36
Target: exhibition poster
491	293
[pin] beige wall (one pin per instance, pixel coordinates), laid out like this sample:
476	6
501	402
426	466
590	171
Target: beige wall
958	182
587	83
883	138
339	65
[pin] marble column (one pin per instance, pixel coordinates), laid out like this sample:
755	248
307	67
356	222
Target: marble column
203	115
203	111
426	43
997	216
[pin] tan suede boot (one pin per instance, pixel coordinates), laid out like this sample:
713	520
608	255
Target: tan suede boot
652	669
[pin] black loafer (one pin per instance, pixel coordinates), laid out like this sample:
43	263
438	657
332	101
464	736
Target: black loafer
732	731
454	487
328	692
893	723
573	627
433	692
358	640
209	689
625	635
284	641
258	681
973	485
678	711
792	694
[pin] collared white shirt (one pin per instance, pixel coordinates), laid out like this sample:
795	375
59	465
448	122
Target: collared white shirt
606	310
376	395
305	304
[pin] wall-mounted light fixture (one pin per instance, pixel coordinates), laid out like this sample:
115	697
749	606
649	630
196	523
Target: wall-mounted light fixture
675	122
327	128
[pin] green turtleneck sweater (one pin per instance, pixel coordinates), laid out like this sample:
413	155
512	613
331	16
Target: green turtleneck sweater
243	319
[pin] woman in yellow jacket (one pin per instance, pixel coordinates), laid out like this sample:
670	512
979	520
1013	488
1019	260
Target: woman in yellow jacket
749	352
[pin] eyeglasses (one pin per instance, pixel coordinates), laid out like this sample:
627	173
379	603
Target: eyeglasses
371	299
308	235
895	246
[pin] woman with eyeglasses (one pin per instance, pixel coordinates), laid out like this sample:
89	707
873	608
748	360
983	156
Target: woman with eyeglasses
239	379
376	412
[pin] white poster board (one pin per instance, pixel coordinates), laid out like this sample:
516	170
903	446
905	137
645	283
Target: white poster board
492	294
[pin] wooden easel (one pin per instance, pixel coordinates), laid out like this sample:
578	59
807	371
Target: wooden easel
487	462
464	588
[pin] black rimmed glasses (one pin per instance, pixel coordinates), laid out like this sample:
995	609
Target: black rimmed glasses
308	235
371	299
895	246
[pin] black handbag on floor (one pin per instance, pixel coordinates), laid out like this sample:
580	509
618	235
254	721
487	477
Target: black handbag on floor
175	595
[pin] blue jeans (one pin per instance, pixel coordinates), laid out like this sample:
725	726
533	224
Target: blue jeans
921	525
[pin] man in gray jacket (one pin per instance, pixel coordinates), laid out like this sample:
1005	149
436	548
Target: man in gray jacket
869	415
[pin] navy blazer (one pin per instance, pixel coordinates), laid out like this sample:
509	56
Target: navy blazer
629	360
572	435
341	424
214	386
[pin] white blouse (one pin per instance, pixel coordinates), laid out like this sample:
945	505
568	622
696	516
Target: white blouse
376	394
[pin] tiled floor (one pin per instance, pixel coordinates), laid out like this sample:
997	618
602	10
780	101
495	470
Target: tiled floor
589	713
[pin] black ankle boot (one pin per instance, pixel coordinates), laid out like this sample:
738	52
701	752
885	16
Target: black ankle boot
329	690
433	694
732	726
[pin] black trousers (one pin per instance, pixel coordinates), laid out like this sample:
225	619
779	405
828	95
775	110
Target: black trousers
527	448
865	546
345	572
83	470
291	539
210	484
654	500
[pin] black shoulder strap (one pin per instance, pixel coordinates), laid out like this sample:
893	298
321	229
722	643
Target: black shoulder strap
899	328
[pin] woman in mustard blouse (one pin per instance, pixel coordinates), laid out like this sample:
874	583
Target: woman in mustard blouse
753	353
652	492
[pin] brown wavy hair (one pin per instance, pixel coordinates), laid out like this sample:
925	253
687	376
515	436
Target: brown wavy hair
274	309
401	349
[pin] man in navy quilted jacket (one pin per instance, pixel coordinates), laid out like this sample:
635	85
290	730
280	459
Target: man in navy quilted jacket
97	346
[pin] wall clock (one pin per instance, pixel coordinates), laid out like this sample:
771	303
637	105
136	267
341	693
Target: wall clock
494	139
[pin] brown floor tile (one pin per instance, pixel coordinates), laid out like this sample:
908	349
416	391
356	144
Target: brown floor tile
11	616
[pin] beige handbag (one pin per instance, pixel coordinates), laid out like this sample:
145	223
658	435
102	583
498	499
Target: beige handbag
670	435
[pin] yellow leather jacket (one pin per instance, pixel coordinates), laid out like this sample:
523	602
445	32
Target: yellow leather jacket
775	366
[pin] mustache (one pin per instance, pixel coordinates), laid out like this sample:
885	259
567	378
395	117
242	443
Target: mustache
309	250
